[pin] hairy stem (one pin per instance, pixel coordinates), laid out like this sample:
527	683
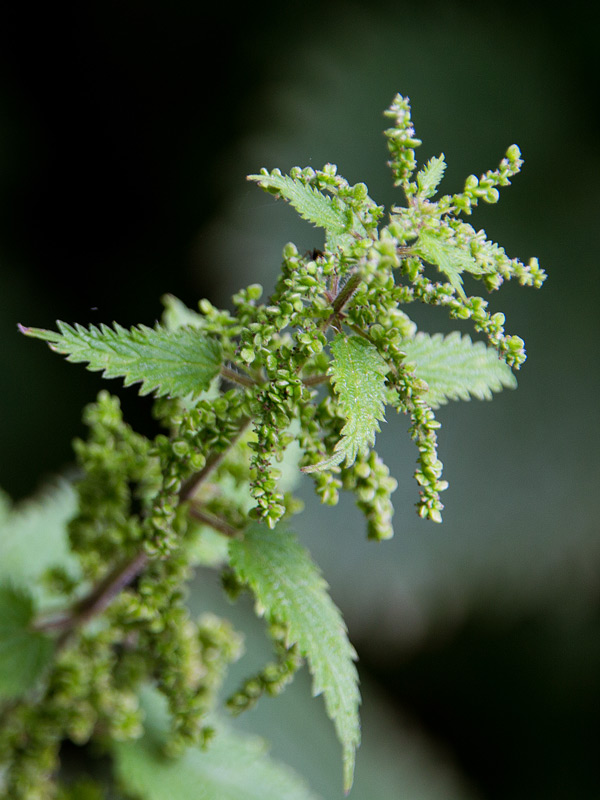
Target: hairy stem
346	293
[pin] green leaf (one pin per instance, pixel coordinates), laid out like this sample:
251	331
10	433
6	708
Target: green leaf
290	590
322	210
23	652
429	178
455	368
358	375
178	315
33	537
233	767
175	363
451	259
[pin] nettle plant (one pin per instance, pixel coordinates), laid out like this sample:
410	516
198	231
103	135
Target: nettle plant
99	645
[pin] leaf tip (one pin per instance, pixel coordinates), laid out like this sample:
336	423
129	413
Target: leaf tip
349	759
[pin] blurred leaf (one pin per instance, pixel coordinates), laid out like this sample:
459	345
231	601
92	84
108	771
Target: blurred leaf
207	547
178	315
33	537
82	790
234	766
23	652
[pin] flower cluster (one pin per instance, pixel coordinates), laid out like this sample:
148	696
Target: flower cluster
295	384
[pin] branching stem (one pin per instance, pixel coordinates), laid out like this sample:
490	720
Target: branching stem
98	599
121	576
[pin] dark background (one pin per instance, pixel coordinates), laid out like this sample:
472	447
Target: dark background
126	130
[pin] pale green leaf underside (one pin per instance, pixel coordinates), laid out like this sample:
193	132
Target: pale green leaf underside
23	653
175	363
455	368
451	259
289	589
234	766
358	377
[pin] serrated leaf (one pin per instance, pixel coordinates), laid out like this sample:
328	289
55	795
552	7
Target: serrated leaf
358	375
23	652
451	259
290	590
234	766
455	368
429	178
310	203
176	363
321	209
